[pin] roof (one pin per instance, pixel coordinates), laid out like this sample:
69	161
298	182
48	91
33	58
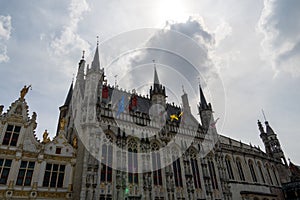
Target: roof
143	102
295	170
69	96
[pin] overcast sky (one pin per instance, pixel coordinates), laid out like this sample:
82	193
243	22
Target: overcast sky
246	53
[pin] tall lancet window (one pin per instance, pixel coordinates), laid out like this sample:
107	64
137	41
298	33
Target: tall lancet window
177	171
269	174
261	172
275	175
133	176
106	166
195	170
229	168
252	171
240	169
156	164
212	173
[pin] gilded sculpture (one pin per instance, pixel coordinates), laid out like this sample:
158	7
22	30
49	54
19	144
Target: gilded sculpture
24	91
75	142
46	139
62	124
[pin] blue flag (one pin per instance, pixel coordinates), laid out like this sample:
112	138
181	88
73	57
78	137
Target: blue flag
121	106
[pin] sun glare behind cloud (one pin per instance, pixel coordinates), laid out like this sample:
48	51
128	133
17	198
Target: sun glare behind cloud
172	10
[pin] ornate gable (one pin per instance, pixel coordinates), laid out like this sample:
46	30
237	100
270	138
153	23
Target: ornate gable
17	112
59	146
16	122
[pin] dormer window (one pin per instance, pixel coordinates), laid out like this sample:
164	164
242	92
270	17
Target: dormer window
58	150
11	135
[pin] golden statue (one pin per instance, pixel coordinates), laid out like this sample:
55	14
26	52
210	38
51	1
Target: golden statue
46	139
75	142
24	91
62	124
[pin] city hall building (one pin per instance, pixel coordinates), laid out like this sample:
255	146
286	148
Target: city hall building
116	144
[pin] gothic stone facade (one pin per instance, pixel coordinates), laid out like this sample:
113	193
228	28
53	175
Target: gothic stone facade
227	169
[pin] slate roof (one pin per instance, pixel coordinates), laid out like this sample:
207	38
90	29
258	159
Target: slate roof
143	102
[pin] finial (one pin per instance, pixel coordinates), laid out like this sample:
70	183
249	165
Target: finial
116	80
183	89
154	63
83	54
97	40
199	80
264	114
24	91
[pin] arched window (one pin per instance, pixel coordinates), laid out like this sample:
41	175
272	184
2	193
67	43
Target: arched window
212	173
132	166
177	171
240	169
156	165
275	175
261	172
106	165
229	168
252	171
195	170
269	174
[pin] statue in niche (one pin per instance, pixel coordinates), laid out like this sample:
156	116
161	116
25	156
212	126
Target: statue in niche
75	142
62	123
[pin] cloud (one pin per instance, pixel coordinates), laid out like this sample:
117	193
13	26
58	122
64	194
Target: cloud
279	23
70	40
5	27
3	54
5	31
183	47
222	31
182	55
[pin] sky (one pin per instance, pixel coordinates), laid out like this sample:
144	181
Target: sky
245	54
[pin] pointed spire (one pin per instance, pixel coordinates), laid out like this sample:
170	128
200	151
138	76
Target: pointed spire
269	130
81	66
156	81
185	103
69	96
157	88
96	60
203	103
